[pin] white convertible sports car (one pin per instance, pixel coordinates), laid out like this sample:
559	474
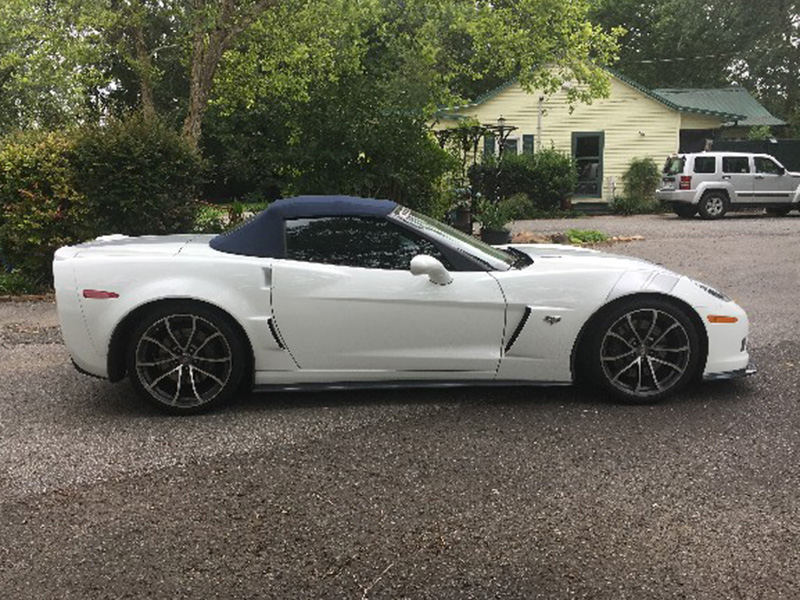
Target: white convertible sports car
346	292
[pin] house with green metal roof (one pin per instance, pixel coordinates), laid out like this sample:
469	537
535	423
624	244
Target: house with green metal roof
604	136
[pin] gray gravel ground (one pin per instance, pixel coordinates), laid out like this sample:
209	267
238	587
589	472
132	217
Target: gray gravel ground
475	493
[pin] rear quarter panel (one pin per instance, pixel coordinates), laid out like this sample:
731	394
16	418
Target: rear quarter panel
240	286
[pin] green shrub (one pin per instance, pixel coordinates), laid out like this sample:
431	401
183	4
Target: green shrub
641	181
493	215
133	177
139	177
41	208
547	178
627	205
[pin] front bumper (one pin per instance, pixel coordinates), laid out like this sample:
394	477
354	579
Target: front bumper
750	369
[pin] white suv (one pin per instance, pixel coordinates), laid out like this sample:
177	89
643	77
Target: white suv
711	183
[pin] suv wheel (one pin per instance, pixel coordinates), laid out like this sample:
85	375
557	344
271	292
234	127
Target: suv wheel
684	211
713	205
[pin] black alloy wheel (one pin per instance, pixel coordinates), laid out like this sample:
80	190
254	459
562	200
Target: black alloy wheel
643	350
186	358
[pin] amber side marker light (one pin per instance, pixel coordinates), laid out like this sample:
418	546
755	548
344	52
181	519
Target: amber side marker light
722	319
99	294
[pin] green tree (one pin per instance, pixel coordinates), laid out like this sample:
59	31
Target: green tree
711	43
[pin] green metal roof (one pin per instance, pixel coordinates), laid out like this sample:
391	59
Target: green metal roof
732	100
731	104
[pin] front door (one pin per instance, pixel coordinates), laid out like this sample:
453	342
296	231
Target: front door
771	184
340	318
345	300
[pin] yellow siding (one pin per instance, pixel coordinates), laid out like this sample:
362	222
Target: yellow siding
634	125
691	121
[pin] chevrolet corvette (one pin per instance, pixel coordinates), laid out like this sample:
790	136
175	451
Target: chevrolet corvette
338	292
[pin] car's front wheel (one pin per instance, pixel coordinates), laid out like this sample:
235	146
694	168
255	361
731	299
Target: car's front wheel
186	358
643	350
713	205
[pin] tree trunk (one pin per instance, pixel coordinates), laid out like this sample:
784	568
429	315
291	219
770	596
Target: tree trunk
144	66
208	47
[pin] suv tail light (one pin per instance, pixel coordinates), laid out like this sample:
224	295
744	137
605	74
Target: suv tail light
686	182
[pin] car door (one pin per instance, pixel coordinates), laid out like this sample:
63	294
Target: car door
738	171
344	300
771	184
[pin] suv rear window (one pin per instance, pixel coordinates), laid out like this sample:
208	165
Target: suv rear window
705	164
735	164
674	165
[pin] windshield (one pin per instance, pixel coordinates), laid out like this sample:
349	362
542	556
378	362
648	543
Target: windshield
674	165
489	255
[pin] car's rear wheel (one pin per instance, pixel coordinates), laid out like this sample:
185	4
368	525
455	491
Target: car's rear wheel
643	350
713	205
186	358
684	211
778	211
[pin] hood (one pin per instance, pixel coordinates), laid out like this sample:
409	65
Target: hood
585	256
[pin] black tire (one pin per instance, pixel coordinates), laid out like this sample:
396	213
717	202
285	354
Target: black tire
684	211
713	205
642	350
778	211
186	358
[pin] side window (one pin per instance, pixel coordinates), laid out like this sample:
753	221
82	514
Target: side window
735	164
765	165
355	242
705	164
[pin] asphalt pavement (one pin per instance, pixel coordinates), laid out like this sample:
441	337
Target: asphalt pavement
469	493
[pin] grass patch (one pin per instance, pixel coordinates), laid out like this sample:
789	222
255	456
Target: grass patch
585	236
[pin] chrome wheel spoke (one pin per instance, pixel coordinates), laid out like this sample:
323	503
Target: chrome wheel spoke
172	334
178	386
163	376
155	363
653	373
627	368
207	374
160	345
664	333
667	364
191	334
205	342
620	338
633	328
194	385
618	356
681	349
211	360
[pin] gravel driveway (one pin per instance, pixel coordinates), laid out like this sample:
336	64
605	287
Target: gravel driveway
474	493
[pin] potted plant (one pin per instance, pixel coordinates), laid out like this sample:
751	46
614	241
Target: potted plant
494	217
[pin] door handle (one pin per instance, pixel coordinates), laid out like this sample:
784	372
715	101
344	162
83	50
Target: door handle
759	177
726	176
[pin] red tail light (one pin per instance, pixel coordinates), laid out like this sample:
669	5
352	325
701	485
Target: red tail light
686	182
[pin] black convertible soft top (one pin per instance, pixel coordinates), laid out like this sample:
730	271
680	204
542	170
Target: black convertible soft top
263	235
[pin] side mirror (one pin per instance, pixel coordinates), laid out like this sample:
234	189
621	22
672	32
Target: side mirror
422	264
781	171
